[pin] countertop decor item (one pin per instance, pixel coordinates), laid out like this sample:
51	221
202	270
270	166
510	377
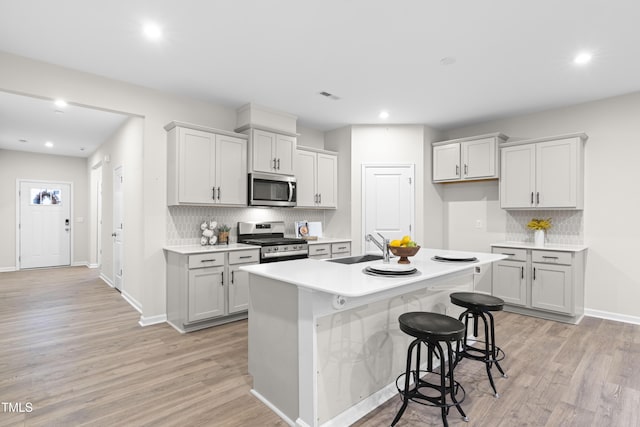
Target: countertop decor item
540	226
223	234
404	253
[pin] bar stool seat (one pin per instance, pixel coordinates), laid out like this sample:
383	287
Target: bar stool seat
441	390
479	307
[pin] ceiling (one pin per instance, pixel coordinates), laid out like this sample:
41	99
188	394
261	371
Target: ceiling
440	63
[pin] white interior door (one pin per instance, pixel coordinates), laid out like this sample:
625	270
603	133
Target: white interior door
388	203
45	224
118	227
99	219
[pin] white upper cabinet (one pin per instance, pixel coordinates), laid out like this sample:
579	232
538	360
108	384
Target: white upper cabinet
272	152
317	178
466	159
546	173
205	166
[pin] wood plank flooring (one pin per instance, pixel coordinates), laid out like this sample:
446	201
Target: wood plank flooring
71	346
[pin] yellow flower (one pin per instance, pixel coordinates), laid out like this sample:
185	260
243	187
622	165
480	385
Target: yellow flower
539	224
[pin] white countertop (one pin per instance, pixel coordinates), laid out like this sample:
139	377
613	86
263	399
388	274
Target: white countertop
350	281
546	247
199	249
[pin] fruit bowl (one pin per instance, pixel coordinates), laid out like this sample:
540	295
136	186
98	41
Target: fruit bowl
404	252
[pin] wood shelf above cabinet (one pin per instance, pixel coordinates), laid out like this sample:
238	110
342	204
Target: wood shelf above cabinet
472	158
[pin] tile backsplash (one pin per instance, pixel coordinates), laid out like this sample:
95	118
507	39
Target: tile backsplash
566	226
183	222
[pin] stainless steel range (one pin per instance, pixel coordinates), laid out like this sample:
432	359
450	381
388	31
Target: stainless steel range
273	245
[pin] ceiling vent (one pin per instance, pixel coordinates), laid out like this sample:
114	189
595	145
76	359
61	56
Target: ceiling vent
329	95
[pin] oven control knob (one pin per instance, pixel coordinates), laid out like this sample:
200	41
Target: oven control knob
275	249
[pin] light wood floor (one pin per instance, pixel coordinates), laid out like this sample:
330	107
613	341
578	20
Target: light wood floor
72	347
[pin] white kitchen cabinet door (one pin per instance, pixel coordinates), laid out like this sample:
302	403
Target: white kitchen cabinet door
479	158
557	174
306	174
206	293
284	152
518	176
509	282
551	287
262	147
197	166
238	289
446	162
327	180
231	170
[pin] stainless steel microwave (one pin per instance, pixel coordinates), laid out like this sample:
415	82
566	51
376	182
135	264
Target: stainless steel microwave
267	189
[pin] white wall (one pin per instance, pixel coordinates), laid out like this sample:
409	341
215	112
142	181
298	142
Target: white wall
612	202
123	148
310	137
25	76
399	144
338	222
31	166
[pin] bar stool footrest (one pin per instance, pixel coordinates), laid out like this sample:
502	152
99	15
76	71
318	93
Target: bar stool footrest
456	393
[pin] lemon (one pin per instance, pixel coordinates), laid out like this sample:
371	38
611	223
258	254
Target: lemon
395	243
405	239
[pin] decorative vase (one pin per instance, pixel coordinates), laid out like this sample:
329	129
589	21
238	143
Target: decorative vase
538	238
223	238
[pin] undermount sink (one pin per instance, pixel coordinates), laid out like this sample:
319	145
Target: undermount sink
356	259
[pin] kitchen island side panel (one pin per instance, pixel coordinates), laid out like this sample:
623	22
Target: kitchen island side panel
273	342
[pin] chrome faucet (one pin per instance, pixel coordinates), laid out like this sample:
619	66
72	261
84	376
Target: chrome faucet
384	246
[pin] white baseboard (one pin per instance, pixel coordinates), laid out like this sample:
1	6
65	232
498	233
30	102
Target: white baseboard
278	412
106	280
612	316
7	269
93	265
152	320
80	264
132	301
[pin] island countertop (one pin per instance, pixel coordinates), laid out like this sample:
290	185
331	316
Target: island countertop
350	280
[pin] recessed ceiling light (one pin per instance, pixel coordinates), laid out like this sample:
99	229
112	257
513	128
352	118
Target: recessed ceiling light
448	60
384	114
152	31
60	103
48	144
582	58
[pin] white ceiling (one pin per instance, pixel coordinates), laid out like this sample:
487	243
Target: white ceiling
511	57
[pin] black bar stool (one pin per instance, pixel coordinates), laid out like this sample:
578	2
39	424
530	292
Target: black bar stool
480	306
431	329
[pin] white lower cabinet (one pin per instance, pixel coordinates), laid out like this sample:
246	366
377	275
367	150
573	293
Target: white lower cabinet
541	282
207	289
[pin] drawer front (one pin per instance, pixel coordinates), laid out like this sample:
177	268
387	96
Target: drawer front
242	257
341	248
514	254
206	260
315	250
551	257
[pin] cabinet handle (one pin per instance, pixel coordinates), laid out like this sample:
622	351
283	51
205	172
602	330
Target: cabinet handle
222	277
232	277
213	193
245	256
505	253
532	197
522	272
466	169
278	164
320	198
342	247
457	170
218	193
549	257
207	260
537	198
534	273
274	162
320	250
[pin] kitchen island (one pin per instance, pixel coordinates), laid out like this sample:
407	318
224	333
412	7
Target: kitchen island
324	343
